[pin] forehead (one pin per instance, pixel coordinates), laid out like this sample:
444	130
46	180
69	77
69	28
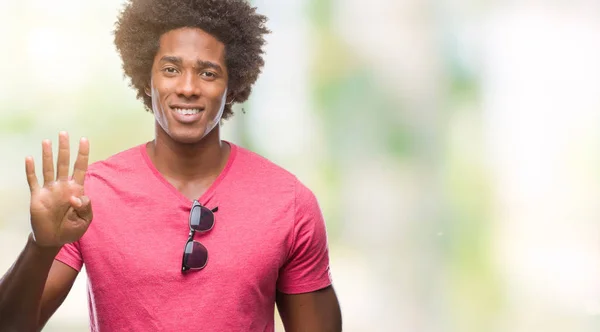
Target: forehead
191	44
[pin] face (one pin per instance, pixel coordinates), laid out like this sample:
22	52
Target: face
188	85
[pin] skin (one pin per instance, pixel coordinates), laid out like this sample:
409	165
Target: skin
189	71
36	284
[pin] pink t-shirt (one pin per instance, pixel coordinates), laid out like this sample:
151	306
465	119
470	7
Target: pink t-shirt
269	235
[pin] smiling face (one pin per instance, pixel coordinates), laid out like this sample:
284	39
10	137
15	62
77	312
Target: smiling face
188	85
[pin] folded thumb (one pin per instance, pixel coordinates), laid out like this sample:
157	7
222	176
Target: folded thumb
83	207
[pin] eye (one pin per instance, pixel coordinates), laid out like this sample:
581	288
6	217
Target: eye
208	74
170	70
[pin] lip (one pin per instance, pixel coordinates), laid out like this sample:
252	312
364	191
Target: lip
186	106
186	119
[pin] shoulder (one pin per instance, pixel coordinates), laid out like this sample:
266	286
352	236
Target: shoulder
261	172
119	165
252	165
260	169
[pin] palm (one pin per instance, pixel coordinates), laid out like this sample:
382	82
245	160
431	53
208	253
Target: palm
60	213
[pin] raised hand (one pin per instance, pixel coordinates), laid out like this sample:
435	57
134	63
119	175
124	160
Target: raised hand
60	211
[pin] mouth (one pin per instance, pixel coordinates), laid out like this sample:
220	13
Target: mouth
186	110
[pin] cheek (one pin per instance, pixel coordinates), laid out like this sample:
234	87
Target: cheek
157	107
217	93
155	96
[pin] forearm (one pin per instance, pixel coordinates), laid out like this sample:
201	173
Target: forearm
22	286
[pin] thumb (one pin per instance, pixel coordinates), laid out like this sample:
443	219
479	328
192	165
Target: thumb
83	207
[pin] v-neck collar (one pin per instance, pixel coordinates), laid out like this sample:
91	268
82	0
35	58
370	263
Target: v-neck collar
206	195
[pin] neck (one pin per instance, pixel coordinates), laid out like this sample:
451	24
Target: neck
188	162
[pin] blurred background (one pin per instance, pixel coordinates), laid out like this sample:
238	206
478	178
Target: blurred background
453	146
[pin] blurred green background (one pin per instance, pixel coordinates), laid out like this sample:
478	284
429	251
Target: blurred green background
453	146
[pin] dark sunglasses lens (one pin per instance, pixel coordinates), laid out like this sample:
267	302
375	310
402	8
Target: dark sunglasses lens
201	218
195	255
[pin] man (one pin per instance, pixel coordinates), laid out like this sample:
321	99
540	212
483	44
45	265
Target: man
190	232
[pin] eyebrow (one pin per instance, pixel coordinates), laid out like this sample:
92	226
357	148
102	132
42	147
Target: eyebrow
200	63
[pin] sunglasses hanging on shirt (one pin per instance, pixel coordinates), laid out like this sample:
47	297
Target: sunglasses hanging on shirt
195	255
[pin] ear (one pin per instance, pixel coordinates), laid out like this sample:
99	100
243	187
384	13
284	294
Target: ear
230	98
147	91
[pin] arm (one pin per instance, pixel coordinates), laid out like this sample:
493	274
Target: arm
36	284
317	311
305	298
33	288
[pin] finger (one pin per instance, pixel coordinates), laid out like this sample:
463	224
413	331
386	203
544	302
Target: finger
81	164
62	172
30	171
83	207
47	162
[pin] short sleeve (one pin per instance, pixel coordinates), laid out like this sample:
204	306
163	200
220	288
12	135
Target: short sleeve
307	267
70	254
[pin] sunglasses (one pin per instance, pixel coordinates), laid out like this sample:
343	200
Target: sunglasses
195	255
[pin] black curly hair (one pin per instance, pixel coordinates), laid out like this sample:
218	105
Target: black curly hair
233	22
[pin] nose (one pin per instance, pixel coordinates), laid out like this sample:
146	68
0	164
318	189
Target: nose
188	86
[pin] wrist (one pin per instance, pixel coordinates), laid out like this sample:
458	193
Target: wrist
42	250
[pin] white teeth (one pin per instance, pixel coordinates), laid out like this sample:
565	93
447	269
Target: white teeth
187	111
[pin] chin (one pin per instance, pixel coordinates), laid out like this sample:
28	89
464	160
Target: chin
189	137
